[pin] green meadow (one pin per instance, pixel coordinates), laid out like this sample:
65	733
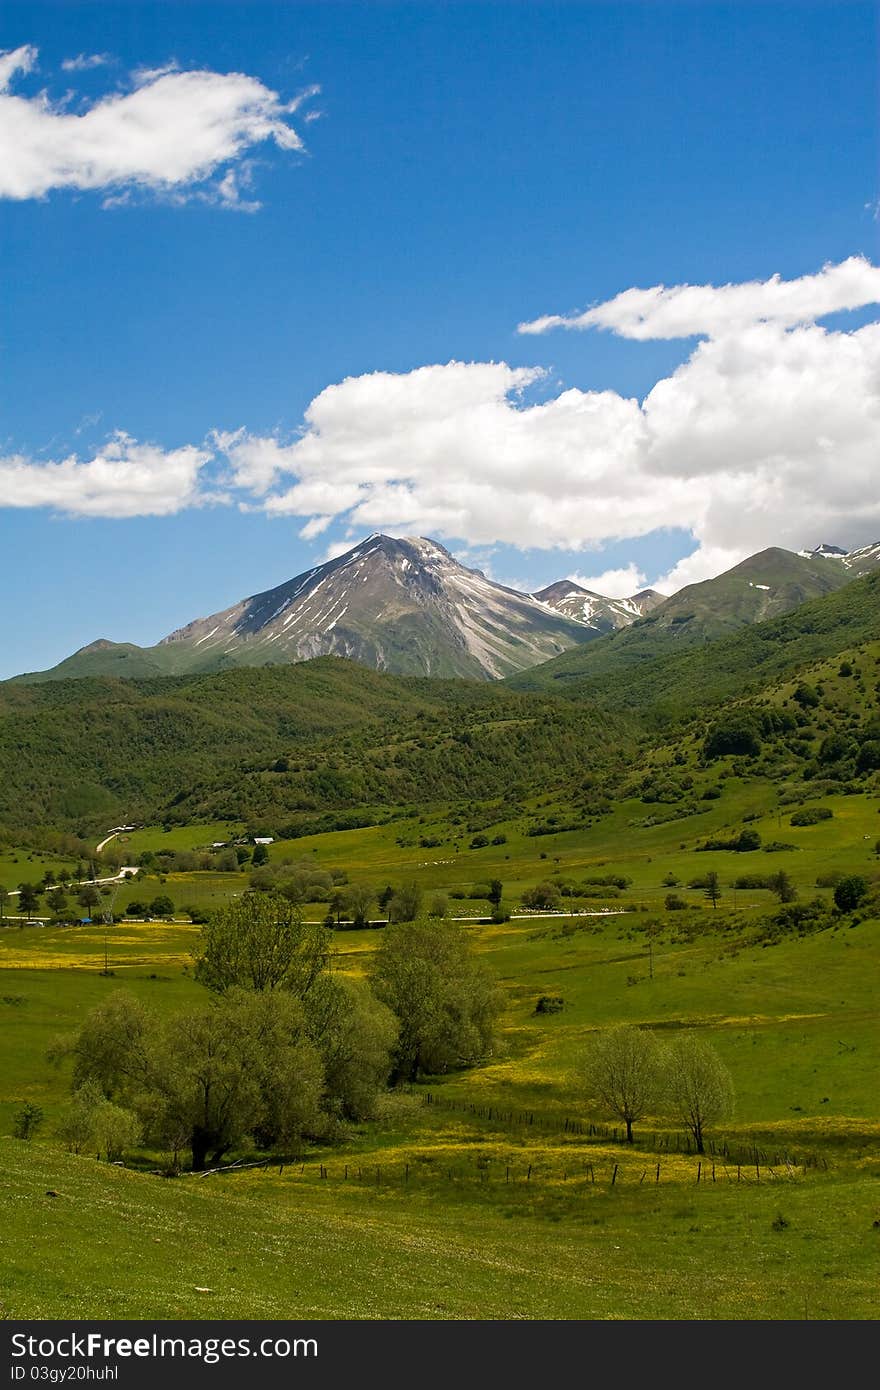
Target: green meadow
484	1193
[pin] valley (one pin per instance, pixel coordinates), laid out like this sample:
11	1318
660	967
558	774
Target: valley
664	846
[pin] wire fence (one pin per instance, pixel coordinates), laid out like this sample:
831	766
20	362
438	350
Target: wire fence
663	1141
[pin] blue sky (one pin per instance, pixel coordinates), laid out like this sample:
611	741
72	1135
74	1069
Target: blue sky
464	169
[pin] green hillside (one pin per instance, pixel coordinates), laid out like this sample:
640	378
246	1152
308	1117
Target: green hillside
644	669
307	738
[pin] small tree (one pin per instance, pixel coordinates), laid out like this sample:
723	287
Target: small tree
622	1073
713	887
260	855
88	898
406	903
114	1130
849	892
28	898
780	884
496	891
27	1120
76	1124
57	900
699	1085
359	903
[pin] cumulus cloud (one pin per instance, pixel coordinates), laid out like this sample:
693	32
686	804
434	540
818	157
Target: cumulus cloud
682	311
123	479
613	583
169	135
767	435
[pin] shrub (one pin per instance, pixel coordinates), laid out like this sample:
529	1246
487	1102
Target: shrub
811	815
27	1120
674	902
850	892
550	1004
735	736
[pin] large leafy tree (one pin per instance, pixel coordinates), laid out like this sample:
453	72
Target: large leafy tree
445	999
260	942
204	1079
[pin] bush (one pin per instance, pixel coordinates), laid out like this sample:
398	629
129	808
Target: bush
811	815
550	1004
543	895
674	902
736	736
869	756
27	1120
806	696
850	892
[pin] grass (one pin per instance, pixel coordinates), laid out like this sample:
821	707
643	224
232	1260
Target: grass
478	1213
264	1245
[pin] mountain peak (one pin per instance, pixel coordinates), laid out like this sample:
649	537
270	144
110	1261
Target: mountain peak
398	604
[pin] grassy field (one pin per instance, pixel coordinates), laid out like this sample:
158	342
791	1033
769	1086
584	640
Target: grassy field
496	1198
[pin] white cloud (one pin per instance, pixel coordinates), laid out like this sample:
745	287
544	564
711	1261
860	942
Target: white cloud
85	62
765	436
682	311
169	135
704	563
124	479
613	583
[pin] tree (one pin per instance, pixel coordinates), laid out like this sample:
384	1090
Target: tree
359	901
162	906
543	895
406	904
780	884
622	1073
240	1066
203	1079
112	1048
260	855
57	900
444	997
849	892
88	898
4	898
713	887
115	1130
354	1035
737	734
28	898
27	1120
76	1124
440	903
699	1085
335	907
496	891
260	942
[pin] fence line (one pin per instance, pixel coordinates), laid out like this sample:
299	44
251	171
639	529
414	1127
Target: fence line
406	1176
666	1142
